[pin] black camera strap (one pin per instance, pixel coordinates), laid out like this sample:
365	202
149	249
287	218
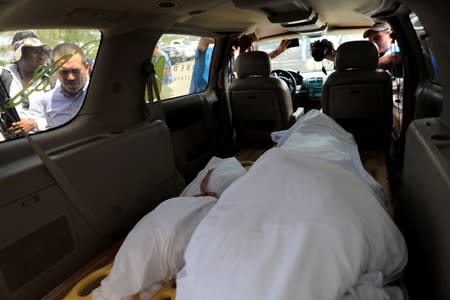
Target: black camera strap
8	115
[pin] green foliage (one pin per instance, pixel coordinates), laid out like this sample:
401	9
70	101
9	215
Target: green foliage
88	38
52	37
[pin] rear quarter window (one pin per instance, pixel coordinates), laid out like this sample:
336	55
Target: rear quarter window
44	78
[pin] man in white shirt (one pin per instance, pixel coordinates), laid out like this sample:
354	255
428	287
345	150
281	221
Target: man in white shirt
29	54
64	102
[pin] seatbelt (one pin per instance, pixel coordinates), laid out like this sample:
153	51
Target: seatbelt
65	185
154	107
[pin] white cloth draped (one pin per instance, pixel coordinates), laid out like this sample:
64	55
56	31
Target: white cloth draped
295	226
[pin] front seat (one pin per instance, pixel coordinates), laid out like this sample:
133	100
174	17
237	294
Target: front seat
358	96
259	103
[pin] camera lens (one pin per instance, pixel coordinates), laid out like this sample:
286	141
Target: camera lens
320	49
318	54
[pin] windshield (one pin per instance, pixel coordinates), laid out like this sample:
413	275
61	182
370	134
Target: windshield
300	58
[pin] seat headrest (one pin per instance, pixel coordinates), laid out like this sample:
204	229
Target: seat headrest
357	55
253	63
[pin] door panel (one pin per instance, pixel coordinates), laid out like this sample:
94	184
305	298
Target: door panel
424	210
119	177
193	125
42	242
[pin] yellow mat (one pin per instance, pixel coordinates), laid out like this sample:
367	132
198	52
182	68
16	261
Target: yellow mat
82	290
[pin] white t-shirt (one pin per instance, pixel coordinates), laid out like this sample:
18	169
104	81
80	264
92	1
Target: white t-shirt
31	109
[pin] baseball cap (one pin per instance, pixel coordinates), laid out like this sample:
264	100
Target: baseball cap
378	26
25	39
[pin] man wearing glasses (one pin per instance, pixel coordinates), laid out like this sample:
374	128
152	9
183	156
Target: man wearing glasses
64	102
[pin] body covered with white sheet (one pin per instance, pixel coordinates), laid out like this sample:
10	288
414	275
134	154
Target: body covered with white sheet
153	251
316	134
296	226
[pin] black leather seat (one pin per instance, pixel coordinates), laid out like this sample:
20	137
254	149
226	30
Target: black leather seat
260	103
359	96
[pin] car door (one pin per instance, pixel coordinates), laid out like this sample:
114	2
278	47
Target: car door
192	105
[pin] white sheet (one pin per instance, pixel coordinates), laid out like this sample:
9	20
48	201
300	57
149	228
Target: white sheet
295	226
226	171
318	135
153	251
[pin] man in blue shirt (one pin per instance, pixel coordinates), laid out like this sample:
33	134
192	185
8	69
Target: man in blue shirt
200	74
64	102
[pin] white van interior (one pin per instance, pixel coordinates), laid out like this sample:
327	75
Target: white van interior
321	140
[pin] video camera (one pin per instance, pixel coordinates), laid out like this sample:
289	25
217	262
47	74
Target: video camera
7	115
320	48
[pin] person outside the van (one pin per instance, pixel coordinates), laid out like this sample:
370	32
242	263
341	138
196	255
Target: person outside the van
380	33
29	54
163	71
244	44
90	62
389	54
64	102
389	59
200	73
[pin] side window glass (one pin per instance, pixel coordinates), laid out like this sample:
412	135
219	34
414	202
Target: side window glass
44	78
426	43
182	64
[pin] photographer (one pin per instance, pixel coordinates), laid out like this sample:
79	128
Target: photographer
280	49
322	49
245	43
379	33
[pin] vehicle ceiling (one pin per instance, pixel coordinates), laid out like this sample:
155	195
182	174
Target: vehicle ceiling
214	16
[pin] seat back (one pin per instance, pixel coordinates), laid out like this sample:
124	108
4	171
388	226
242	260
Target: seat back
260	103
359	96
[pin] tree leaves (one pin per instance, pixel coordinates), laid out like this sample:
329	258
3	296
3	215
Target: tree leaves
52	37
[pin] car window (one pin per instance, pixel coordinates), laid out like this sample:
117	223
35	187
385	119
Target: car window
182	64
44	78
426	44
